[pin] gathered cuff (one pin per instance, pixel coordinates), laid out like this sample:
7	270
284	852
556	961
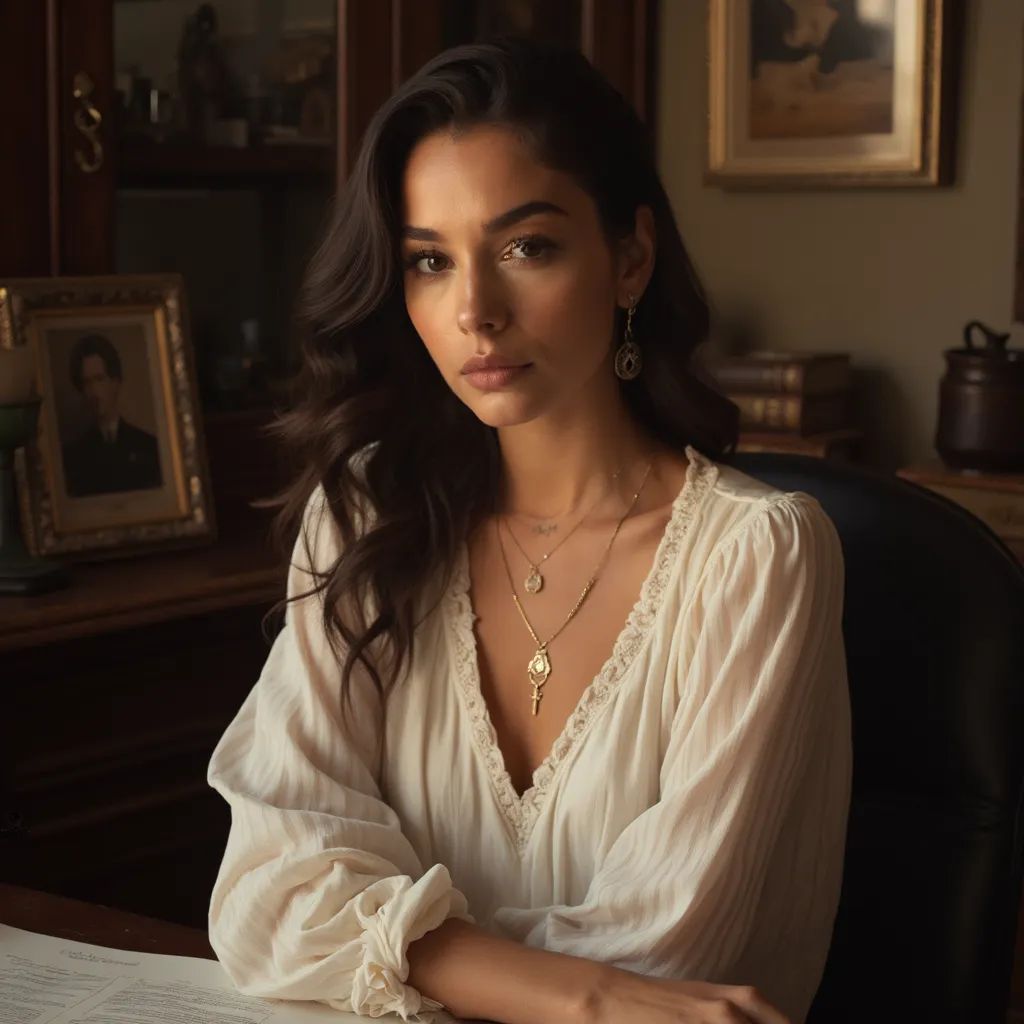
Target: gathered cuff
379	983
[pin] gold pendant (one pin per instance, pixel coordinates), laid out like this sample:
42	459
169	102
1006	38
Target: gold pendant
539	669
534	581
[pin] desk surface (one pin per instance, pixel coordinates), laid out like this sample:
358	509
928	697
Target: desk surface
102	926
240	569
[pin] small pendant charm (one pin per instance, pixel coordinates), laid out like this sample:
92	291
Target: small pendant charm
535	697
539	669
534	581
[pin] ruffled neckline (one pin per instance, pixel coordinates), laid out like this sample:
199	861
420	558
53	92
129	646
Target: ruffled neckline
521	812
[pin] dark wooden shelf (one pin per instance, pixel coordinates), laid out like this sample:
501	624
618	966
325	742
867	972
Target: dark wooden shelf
240	569
175	163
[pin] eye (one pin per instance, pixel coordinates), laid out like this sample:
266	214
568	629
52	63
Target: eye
414	258
534	247
538	243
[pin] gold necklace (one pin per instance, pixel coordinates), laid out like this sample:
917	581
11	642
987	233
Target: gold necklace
535	581
539	668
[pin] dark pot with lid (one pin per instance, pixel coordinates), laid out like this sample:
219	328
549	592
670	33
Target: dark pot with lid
981	404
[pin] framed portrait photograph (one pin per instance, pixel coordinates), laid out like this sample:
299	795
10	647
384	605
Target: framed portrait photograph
831	93
119	464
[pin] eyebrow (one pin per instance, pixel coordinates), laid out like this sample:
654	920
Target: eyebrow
503	220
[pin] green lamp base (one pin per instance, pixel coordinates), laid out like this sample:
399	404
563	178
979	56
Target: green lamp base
20	573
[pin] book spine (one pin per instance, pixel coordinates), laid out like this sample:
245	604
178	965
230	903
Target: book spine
839	448
793	413
814	378
774	377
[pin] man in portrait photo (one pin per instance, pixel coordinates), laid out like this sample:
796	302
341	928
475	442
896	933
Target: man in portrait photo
111	454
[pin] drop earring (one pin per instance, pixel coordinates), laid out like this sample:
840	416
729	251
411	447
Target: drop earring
628	360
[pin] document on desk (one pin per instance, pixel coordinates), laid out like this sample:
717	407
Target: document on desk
49	980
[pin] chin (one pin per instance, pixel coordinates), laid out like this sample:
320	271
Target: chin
500	409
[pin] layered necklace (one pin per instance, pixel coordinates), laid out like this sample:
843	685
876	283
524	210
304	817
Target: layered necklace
539	667
535	581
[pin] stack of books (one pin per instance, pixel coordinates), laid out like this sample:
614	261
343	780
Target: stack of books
792	402
995	498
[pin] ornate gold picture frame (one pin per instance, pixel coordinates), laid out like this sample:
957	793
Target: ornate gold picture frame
831	93
119	463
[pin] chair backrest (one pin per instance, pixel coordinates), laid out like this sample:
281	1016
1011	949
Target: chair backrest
933	624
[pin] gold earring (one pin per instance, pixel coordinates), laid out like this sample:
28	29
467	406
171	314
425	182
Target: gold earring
628	360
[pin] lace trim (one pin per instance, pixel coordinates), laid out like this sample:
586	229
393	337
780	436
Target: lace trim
521	812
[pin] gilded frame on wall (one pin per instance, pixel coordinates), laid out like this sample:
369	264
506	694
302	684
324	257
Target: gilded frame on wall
815	94
118	466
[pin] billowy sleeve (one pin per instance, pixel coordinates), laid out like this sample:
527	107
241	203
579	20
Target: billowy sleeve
319	893
734	875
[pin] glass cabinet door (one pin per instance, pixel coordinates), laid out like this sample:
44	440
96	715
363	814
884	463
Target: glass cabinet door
225	124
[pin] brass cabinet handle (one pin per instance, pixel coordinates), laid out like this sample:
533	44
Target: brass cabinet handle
87	120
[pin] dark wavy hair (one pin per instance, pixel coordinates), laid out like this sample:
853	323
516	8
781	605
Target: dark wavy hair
367	386
94	345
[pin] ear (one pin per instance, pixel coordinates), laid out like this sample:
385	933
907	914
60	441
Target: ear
636	258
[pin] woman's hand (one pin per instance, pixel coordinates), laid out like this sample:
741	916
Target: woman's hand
624	997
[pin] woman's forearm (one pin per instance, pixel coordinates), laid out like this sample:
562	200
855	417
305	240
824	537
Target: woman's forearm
477	975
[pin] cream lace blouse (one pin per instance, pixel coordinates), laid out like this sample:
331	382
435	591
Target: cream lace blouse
689	822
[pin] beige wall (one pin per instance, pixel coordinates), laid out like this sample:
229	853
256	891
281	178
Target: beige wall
889	275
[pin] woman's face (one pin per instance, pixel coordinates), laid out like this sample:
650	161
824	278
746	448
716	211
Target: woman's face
504	257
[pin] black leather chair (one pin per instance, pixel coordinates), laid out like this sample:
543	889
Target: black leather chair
934	631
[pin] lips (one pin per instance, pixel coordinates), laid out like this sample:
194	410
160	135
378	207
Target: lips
495	377
490	363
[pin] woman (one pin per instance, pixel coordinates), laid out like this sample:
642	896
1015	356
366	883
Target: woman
611	786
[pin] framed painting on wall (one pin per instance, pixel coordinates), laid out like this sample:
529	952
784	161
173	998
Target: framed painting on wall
118	465
833	93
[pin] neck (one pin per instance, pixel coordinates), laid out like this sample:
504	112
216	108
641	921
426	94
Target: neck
558	466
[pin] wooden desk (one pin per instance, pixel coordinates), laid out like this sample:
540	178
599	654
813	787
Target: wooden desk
240	570
103	926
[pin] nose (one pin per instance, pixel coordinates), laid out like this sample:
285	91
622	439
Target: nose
483	308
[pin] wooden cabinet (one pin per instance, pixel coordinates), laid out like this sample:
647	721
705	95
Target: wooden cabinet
114	693
61	61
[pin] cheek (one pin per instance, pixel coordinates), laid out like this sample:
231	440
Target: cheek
566	311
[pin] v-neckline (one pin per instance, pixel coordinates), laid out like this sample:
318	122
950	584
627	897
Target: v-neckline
521	811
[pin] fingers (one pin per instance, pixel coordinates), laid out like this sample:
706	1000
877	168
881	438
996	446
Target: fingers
748	999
